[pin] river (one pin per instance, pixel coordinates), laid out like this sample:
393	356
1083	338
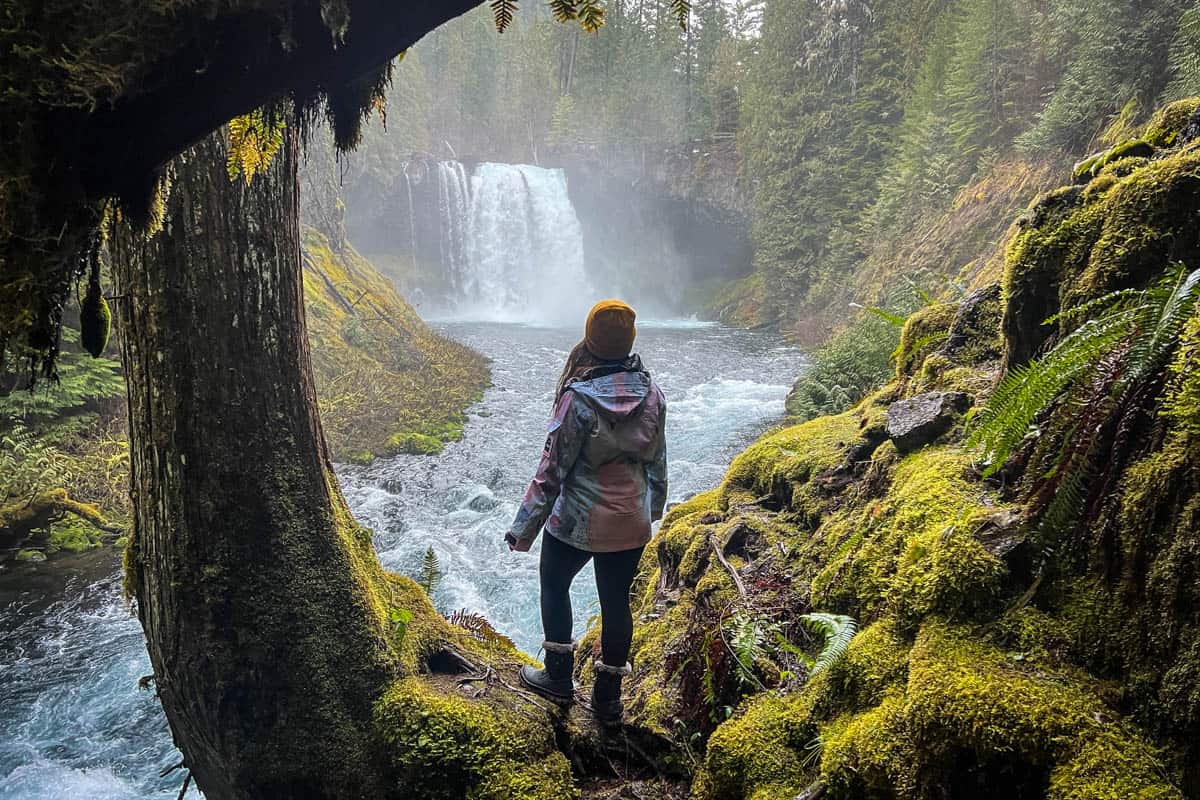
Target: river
72	722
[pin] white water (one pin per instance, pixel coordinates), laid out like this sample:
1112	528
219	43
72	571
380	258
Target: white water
73	724
508	241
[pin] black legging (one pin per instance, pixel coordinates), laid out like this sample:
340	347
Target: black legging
559	565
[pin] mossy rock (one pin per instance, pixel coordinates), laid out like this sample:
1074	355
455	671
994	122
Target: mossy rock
30	556
1169	124
925	331
444	746
1075	245
417	444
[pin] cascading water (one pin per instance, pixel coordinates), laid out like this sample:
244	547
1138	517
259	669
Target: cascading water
505	239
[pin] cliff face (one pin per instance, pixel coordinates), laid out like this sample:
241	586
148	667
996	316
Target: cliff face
674	217
1008	645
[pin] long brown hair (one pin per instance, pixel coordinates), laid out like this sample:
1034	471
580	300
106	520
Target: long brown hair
579	363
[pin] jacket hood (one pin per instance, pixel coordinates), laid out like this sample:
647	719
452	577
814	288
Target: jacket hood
618	395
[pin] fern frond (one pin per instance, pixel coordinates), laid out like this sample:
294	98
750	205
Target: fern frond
682	9
1106	302
1173	303
887	316
1006	419
590	14
431	572
503	11
478	626
838	630
564	10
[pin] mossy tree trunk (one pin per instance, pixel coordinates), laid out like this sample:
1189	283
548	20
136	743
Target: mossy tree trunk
255	589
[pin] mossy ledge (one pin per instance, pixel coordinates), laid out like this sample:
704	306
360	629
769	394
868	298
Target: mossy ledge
985	665
386	382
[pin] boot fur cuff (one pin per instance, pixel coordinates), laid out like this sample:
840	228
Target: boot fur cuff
625	670
559	647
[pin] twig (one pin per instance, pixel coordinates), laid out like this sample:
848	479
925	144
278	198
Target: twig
737	579
168	770
186	782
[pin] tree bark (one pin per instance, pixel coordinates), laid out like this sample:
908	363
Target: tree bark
256	591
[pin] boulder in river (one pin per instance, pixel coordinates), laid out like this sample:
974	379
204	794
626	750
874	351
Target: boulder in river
917	421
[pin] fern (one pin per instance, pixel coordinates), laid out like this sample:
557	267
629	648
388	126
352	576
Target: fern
1142	327
838	630
254	139
564	10
503	11
747	638
590	14
479	627
431	572
28	466
682	9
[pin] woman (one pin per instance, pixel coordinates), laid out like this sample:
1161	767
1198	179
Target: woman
601	482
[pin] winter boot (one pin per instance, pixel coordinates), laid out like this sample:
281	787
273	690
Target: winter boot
606	693
554	682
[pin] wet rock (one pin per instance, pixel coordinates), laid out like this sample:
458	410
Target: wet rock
975	333
917	421
31	556
1004	536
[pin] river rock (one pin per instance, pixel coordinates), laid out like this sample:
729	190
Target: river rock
917	421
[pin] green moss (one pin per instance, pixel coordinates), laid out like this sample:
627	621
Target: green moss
914	549
441	745
73	535
414	444
1075	246
30	555
758	753
870	755
1164	128
782	463
876	663
925	331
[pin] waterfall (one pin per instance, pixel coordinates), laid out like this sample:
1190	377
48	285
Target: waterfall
508	242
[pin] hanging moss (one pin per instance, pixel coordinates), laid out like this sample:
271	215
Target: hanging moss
95	320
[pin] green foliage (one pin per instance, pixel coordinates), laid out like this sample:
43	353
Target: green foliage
431	572
85	384
28	465
1185	57
748	637
1112	50
400	618
479	627
254	139
838	631
1131	336
845	369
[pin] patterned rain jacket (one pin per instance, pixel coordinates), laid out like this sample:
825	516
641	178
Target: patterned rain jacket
603	475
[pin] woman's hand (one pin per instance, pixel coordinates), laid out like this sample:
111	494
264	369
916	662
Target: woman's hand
518	545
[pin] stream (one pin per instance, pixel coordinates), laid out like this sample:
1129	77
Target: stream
72	721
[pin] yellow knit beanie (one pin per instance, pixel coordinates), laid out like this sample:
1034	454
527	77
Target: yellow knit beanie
610	330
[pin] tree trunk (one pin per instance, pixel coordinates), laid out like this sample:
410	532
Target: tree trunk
255	589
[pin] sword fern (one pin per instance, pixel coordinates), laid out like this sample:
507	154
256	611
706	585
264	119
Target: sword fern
1130	338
